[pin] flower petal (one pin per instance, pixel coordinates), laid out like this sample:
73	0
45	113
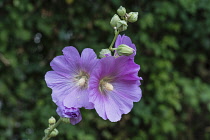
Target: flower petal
59	111
71	53
126	68
57	81
112	110
99	104
118	41
88	60
124	104
59	84
78	98
120	68
127	90
105	67
74	121
61	66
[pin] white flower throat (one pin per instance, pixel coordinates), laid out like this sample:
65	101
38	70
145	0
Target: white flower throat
108	86
82	79
105	85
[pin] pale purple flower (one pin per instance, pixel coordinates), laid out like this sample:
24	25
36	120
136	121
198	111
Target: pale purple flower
127	41
72	113
114	86
70	76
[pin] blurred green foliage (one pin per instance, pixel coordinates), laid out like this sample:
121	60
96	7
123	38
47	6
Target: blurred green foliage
172	38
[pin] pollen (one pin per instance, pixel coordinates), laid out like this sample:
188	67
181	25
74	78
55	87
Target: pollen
82	81
108	86
105	85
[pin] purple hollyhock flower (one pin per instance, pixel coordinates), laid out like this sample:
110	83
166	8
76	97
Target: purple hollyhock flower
72	113
114	86
127	41
70	76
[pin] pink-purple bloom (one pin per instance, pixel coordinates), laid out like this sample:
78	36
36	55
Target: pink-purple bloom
70	77
114	86
127	41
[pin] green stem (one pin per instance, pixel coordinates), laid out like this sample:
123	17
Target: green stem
113	41
47	137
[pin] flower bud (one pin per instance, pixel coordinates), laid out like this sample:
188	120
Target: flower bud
114	20
51	120
122	25
54	133
104	53
121	11
69	115
66	120
132	16
46	130
124	50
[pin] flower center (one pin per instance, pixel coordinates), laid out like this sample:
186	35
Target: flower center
108	86
81	79
105	85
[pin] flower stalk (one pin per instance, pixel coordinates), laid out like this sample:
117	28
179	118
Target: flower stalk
113	41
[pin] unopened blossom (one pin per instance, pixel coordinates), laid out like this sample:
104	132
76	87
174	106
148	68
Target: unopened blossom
127	41
70	77
72	113
105	53
114	86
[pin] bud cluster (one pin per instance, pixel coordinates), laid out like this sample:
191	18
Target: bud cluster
49	132
119	22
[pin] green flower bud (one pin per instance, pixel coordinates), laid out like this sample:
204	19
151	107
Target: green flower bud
132	16
51	120
121	11
104	53
124	50
46	130
66	120
54	133
122	25
114	20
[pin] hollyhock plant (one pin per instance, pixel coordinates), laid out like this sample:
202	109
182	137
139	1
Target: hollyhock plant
110	84
127	41
72	113
114	87
70	76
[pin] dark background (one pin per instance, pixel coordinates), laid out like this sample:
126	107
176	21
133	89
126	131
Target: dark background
173	42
